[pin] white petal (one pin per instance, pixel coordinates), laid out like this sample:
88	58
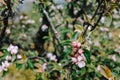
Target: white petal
83	57
19	56
79	58
53	57
81	64
44	66
5	69
8	57
6	63
49	55
74	60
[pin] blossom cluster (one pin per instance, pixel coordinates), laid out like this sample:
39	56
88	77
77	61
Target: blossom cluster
4	66
52	57
13	50
79	58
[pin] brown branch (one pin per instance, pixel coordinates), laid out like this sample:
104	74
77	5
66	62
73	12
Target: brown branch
57	36
6	13
94	26
96	11
97	21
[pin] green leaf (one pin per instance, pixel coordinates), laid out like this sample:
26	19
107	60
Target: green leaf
65	31
13	58
108	20
30	64
87	55
4	47
78	28
74	36
4	73
82	71
66	42
80	38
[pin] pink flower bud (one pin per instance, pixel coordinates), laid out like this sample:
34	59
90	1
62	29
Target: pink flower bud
80	51
76	55
78	45
74	44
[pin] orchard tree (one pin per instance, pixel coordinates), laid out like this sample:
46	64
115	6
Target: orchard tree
60	46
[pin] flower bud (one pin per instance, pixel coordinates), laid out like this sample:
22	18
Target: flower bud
76	55
78	45
74	44
80	51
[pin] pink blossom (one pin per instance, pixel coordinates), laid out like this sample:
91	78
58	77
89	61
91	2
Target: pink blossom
76	55
81	64
7	31
74	44
44	27
83	57
8	57
78	45
49	55
44	66
80	51
80	58
19	56
5	65
52	57
74	60
12	49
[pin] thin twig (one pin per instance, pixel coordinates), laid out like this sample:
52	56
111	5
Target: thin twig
97	21
96	11
94	26
52	26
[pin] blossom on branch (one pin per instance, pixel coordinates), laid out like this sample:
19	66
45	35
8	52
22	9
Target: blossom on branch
12	49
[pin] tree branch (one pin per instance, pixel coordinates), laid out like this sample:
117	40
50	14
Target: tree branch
57	36
94	26
6	13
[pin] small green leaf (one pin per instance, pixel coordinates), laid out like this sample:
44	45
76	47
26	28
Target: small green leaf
4	47
13	58
82	71
87	55
80	38
74	36
78	28
30	64
66	42
4	73
108	20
